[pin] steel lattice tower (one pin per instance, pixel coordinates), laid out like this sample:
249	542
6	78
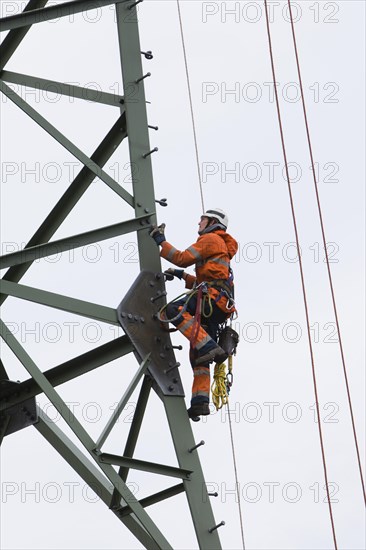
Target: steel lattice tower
157	366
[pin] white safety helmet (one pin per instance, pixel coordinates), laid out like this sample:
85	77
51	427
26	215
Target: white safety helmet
219	214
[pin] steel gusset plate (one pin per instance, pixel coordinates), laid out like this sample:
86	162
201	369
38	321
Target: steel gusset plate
137	316
23	414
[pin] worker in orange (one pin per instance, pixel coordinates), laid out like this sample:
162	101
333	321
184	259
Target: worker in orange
211	301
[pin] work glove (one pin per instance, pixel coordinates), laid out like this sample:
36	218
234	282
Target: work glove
174	273
157	233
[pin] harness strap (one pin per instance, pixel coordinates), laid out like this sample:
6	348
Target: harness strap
197	319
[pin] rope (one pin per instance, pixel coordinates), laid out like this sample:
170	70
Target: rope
220	397
236	477
185	305
302	277
218	387
326	251
203	209
191	105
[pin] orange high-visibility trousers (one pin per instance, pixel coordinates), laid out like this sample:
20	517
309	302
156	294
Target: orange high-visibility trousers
201	385
186	324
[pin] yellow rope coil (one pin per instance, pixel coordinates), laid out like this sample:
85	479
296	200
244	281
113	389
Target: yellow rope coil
218	388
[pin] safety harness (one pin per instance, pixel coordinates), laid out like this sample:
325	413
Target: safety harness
225	288
228	337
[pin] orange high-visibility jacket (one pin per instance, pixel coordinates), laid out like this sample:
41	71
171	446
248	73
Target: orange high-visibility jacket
211	254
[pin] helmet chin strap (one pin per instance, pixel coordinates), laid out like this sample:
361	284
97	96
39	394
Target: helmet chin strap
213	227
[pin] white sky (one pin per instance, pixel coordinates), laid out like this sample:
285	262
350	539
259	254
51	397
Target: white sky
276	438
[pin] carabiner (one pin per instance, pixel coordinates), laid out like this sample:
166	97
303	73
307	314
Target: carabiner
229	381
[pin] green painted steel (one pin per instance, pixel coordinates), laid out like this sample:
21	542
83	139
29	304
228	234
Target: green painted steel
198	499
29	254
72	454
157	497
60	88
35	16
3	373
134	431
123	402
58	301
69	370
65	142
98	470
82	435
89	473
14	38
71	197
4	421
137	314
138	132
145	466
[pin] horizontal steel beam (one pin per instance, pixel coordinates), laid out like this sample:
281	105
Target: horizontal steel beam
144	465
62	88
66	143
71	196
58	301
69	370
76	241
153	499
53	12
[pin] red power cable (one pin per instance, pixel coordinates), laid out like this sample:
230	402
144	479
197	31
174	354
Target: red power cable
326	251
302	277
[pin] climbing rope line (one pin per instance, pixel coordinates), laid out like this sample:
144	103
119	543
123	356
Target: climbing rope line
325	249
203	209
301	276
191	105
220	397
236	475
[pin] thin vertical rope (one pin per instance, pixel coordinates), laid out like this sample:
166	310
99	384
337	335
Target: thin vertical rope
326	251
301	276
203	209
191	106
236	476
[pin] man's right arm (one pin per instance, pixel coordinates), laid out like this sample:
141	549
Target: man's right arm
180	258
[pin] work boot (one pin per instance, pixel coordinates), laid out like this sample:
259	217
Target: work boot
197	410
216	354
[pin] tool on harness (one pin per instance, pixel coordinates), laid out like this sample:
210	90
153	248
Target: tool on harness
228	340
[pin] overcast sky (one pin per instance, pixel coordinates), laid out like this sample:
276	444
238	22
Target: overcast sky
44	503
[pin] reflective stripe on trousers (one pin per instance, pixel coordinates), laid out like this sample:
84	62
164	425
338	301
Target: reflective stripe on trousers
186	325
201	385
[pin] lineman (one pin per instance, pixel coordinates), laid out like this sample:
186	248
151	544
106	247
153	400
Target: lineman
212	297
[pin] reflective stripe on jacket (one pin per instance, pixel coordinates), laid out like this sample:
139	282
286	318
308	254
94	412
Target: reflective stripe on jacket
211	254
